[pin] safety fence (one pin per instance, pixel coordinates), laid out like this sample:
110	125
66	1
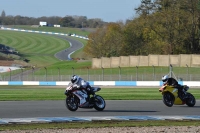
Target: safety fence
110	74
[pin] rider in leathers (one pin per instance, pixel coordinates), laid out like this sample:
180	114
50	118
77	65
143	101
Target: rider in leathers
172	82
79	83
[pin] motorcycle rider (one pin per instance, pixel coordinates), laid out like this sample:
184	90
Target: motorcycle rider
172	82
79	83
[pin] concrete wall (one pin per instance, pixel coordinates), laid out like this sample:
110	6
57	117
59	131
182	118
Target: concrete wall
195	60
134	61
143	61
185	60
174	60
115	62
124	61
181	60
153	60
105	62
96	63
163	60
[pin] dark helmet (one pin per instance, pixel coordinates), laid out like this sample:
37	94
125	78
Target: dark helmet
74	79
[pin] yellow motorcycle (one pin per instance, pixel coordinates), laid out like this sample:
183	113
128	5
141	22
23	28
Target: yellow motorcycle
171	96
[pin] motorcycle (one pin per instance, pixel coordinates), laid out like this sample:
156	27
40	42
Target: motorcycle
171	96
73	98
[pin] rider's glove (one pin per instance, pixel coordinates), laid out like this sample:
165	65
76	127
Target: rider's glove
76	86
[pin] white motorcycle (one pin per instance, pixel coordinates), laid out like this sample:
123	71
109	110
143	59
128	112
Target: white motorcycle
73	98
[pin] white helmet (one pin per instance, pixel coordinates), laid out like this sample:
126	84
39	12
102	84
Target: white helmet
74	79
165	78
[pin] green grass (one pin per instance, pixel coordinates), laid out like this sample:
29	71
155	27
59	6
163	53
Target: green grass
41	48
98	124
23	93
38	48
65	30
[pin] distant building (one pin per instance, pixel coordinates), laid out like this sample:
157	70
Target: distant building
43	23
56	25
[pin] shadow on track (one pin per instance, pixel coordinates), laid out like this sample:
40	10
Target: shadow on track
114	111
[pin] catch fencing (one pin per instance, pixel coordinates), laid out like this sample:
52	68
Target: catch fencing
110	74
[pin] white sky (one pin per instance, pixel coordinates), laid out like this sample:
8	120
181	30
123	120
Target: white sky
107	10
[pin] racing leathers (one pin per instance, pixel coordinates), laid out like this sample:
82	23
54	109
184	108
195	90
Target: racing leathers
174	83
84	90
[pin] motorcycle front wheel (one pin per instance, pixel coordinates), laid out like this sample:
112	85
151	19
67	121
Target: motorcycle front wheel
168	99
190	100
71	103
99	103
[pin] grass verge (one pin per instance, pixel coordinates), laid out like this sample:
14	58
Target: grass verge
99	124
23	93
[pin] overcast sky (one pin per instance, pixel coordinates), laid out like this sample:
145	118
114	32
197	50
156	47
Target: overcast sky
107	10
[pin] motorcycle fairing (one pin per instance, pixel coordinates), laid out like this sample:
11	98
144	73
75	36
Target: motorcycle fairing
173	91
76	92
95	89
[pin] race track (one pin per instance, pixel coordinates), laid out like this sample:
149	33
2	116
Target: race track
30	109
65	54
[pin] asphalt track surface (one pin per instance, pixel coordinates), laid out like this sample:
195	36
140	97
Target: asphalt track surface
74	46
31	109
27	109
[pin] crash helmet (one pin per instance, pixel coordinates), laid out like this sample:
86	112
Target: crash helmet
74	79
165	78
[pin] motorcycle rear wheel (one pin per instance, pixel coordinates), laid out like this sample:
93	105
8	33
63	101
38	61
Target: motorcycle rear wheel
99	103
168	99
71	103
190	100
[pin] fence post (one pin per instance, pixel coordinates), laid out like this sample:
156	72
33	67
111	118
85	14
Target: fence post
33	73
10	74
187	72
88	73
72	70
45	73
21	74
102	73
136	73
153	72
58	73
170	70
119	73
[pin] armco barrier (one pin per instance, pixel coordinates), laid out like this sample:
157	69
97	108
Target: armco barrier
99	83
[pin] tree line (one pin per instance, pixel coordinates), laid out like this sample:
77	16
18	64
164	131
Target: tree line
161	27
67	21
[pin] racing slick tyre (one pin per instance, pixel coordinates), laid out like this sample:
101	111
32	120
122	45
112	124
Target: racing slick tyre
71	103
99	103
190	100
168	99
